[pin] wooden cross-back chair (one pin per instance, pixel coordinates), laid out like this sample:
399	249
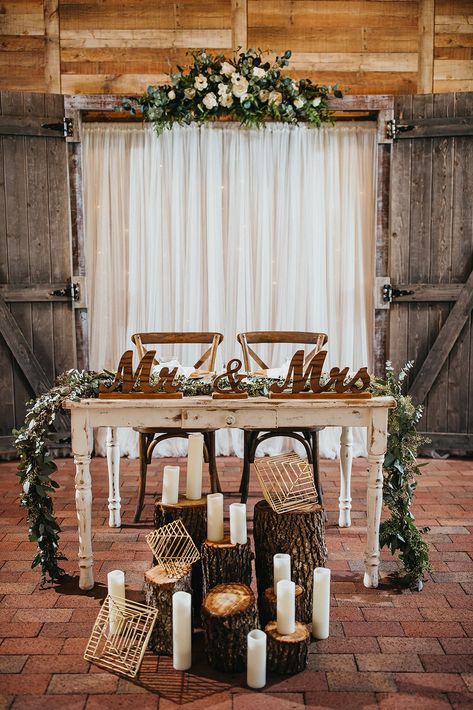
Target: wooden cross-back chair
150	437
308	437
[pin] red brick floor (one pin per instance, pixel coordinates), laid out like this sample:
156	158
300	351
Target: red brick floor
388	648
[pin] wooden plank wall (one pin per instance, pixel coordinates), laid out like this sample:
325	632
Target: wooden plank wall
118	46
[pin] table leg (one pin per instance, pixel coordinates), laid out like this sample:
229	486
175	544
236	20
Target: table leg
346	457
82	449
113	461
377	438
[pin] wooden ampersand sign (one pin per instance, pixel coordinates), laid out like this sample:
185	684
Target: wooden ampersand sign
313	374
135	384
234	379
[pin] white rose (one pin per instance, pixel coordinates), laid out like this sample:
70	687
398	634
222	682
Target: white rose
226	100
263	95
171	94
189	93
240	87
223	89
200	82
316	102
259	72
275	97
210	100
298	103
227	69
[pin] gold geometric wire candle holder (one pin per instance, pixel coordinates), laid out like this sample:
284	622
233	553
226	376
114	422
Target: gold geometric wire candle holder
173	548
120	635
287	482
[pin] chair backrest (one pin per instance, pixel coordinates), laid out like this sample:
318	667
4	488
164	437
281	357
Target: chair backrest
212	339
277	336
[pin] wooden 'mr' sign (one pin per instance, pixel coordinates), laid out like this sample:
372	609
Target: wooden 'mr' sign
135	384
336	386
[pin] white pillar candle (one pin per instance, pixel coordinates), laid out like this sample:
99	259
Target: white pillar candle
281	568
215	517
170	485
238	533
256	659
181	631
116	589
286	607
195	454
321	603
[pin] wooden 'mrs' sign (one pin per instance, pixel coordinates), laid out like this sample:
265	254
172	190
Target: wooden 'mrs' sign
135	384
337	380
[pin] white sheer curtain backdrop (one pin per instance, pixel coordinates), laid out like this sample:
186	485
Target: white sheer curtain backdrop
222	228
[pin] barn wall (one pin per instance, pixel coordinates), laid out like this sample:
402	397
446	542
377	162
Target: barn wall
113	46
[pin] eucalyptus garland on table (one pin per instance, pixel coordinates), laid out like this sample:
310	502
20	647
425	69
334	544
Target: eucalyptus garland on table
36	467
245	88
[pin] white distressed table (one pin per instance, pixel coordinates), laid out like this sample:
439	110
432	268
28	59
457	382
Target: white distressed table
253	413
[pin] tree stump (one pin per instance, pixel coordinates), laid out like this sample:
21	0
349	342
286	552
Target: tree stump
267	605
223	562
287	654
300	534
228	614
158	590
193	514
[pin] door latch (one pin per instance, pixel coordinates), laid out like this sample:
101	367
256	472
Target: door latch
71	291
390	293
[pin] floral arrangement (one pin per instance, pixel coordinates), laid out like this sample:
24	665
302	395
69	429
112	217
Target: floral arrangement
401	469
244	88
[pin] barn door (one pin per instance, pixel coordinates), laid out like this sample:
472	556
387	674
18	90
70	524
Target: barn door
36	289
430	295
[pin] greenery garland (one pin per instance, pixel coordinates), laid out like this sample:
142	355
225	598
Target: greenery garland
244	88
36	467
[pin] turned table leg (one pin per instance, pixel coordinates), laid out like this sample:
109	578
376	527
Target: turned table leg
346	457
113	461
82	448
377	438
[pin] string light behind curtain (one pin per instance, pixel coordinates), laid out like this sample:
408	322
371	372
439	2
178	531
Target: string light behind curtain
221	228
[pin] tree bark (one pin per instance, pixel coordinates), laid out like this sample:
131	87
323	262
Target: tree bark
158	590
300	534
267	605
223	562
228	614
193	514
287	654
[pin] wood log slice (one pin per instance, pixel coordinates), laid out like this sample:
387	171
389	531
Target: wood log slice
223	562
158	590
229	613
193	514
287	654
267	607
300	534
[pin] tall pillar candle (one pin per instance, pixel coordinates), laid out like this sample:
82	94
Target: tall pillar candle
215	517
238	531
286	607
281	568
256	659
170	485
195	454
181	631
116	589
321	603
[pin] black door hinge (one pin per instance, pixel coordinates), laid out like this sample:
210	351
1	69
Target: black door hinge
393	128
66	127
71	291
390	293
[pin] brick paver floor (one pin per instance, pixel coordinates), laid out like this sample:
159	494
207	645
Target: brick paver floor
387	648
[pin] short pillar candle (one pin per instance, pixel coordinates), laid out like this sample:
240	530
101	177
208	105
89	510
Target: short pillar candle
321	603
181	631
281	568
170	485
238	531
286	607
256	659
215	517
195	455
